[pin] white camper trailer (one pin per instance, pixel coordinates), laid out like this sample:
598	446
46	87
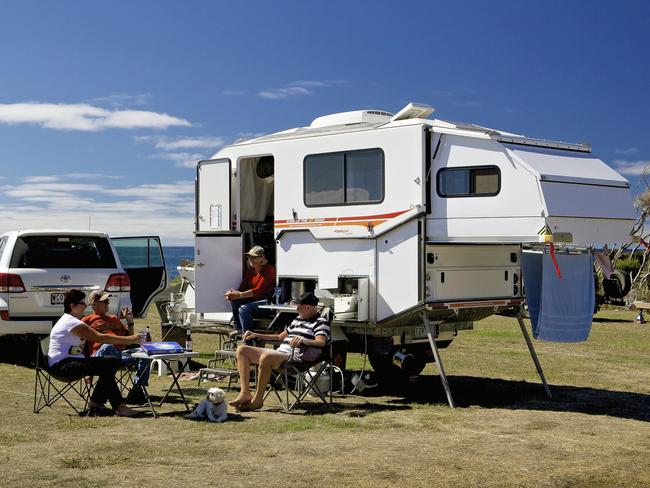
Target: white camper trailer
409	228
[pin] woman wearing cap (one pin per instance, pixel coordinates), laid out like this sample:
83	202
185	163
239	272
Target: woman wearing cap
302	340
66	359
255	289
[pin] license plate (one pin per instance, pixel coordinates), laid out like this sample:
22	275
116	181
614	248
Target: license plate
57	298
420	332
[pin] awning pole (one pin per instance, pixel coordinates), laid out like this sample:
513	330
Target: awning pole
533	354
432	333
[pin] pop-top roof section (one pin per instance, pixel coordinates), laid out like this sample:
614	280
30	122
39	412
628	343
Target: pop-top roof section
353	117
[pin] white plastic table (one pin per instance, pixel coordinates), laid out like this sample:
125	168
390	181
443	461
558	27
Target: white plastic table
166	359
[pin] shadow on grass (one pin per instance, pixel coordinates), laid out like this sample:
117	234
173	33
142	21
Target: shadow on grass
521	395
18	350
602	320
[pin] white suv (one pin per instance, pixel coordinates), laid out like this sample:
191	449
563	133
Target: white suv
37	267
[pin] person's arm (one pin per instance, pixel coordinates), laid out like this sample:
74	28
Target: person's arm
89	334
265	337
231	294
127	314
319	341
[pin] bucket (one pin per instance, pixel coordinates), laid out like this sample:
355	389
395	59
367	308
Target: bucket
322	383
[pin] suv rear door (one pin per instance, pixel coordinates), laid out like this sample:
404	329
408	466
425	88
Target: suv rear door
143	260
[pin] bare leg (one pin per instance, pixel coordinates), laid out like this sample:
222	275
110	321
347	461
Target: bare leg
246	355
269	361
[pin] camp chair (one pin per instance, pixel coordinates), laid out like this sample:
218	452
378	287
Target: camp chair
50	388
294	381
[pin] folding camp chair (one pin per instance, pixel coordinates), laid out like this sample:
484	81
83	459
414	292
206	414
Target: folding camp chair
50	388
294	381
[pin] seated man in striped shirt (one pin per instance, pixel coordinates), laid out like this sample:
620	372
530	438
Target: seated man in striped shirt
302	341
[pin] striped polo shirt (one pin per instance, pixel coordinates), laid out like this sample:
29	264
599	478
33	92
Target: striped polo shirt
307	329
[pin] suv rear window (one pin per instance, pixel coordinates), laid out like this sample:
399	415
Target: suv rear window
62	252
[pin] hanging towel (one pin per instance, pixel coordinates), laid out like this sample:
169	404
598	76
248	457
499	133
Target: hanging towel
567	304
531	267
560	309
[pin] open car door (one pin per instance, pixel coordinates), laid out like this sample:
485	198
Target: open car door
142	258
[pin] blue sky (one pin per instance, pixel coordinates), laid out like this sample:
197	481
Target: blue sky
106	107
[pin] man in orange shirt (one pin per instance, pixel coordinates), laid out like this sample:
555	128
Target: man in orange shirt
255	289
112	324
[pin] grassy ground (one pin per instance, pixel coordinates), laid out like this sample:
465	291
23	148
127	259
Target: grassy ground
596	432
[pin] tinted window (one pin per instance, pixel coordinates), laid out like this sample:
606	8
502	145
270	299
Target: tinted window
474	181
353	177
62	252
139	252
324	179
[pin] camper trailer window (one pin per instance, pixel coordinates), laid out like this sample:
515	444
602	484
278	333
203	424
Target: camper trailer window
476	181
344	178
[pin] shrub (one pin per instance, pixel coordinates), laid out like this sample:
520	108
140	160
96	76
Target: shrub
629	265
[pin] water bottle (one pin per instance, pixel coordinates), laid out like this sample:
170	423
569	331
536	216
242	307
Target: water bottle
188	340
147	334
277	294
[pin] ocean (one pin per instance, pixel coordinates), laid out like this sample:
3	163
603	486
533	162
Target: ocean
173	256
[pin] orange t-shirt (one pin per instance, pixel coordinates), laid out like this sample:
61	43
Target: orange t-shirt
262	284
104	324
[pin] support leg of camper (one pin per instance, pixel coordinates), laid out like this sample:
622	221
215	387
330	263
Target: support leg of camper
432	333
533	354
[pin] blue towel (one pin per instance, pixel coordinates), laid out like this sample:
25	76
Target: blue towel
561	309
531	266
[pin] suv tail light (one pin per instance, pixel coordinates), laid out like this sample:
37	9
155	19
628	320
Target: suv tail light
4	314
11	283
118	282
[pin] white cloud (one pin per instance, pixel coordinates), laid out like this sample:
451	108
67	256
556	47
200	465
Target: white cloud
296	88
172	144
633	168
84	117
122	100
181	159
281	93
628	151
166	210
91	177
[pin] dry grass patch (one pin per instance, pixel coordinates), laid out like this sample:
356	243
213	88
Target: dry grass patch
595	433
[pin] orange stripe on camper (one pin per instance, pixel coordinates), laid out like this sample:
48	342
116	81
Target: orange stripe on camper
363	221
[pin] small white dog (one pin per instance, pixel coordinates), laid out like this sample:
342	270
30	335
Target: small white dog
213	408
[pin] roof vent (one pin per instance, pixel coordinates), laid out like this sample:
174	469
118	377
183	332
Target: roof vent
354	117
413	111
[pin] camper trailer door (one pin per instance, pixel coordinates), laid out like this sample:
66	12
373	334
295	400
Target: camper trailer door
218	259
213	197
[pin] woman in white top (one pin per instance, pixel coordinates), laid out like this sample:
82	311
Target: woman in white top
66	359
